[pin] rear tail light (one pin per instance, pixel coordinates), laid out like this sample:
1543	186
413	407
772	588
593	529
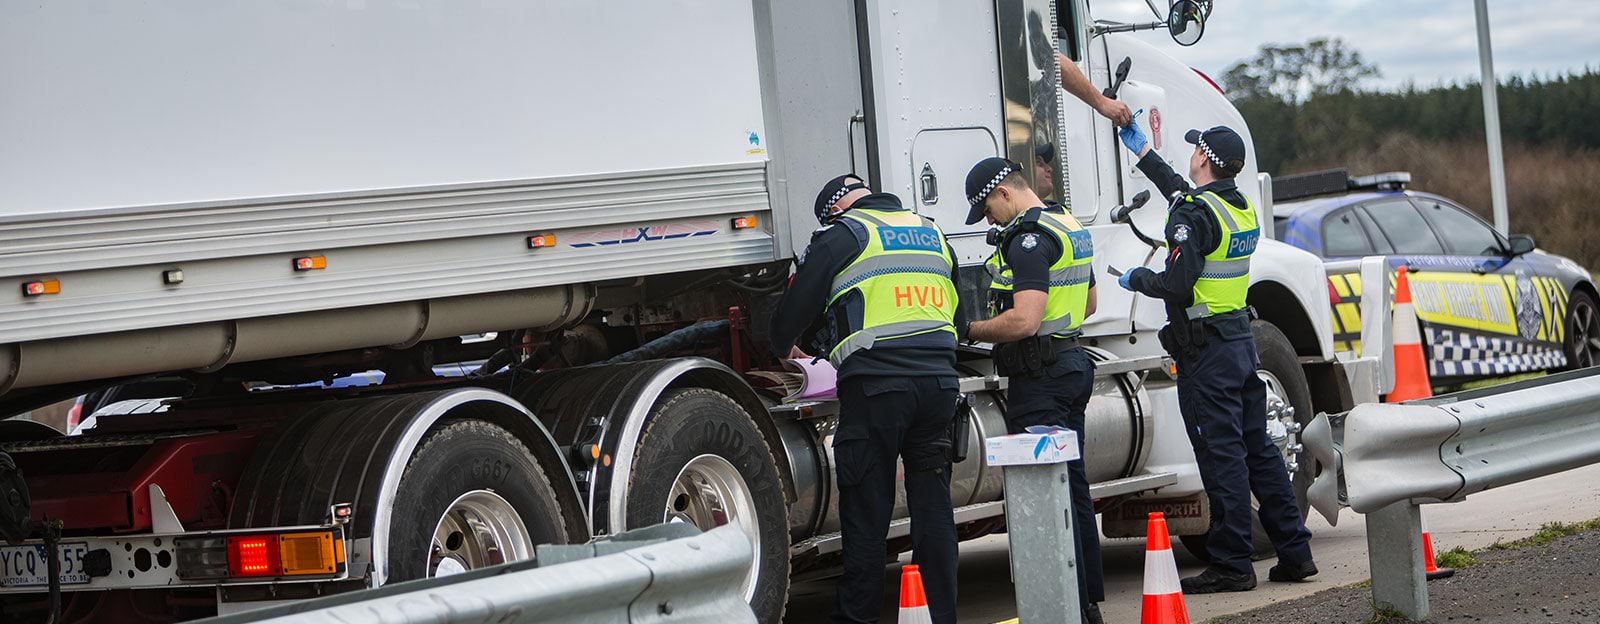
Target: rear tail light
254	555
745	223
42	287
309	553
261	555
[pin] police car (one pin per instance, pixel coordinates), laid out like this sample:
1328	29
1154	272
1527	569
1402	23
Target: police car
1489	305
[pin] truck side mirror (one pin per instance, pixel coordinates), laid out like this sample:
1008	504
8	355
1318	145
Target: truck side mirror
1521	244
1186	22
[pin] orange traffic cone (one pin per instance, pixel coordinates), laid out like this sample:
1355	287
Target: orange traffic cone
1433	570
1163	596
913	603
1410	367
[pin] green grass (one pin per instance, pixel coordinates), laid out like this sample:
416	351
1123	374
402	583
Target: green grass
1457	557
1489	383
1385	615
1548	533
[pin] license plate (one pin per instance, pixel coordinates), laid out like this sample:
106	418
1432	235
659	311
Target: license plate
27	565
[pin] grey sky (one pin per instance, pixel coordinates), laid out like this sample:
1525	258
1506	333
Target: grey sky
1422	41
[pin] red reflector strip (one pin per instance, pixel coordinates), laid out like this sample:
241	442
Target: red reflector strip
311	263
254	555
43	287
541	241
745	223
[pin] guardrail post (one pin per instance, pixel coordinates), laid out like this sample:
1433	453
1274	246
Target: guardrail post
1377	324
1394	553
1039	528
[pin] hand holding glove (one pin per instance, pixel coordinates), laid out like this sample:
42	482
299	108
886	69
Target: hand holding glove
1132	137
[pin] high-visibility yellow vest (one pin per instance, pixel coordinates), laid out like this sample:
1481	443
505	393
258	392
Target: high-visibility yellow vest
1068	297
904	277
1224	282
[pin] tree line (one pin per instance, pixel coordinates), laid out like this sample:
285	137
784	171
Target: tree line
1304	102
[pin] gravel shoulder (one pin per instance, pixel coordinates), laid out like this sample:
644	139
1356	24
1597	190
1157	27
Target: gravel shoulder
1544	579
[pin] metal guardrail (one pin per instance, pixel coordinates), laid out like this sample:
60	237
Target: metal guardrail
1446	448
1384	460
667	573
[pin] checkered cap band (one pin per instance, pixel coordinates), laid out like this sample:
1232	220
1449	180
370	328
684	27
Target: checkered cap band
989	188
1211	156
839	194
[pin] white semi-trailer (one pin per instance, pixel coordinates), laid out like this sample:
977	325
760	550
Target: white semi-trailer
210	207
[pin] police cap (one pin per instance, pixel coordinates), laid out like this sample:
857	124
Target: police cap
834	191
1222	146
984	177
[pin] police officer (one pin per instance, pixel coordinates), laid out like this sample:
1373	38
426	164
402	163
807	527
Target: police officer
1212	232
885	278
1041	288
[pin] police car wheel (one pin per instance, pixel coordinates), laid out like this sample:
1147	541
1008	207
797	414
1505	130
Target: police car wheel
1286	388
701	460
1583	332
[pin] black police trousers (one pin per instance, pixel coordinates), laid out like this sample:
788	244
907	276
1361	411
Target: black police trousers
1058	397
882	419
1224	406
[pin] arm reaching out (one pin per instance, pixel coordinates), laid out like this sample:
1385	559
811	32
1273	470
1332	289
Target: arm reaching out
1073	80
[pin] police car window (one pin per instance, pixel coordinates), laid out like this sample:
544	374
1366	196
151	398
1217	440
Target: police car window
1380	245
1403	226
1463	233
1342	236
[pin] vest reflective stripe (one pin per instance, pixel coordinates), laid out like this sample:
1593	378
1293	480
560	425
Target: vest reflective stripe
869	268
1068	295
866	338
904	278
1224	282
1225	269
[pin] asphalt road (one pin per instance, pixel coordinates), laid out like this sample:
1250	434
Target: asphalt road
1341	551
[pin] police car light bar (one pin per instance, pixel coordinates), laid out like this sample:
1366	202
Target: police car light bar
1333	182
1391	181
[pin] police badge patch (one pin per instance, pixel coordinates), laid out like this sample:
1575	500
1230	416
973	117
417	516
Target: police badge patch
1529	316
1029	241
1180	232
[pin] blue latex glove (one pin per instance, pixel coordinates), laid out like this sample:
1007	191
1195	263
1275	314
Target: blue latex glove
1126	281
1132	137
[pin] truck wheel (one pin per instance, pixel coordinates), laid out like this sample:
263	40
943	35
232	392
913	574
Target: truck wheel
472	496
1286	388
1583	332
701	460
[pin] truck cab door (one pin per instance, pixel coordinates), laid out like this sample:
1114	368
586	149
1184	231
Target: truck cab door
938	100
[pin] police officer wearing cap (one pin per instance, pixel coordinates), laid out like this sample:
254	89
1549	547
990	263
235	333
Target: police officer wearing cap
884	277
1041	288
1212	232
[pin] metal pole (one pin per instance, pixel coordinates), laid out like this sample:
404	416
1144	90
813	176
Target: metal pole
1039	528
1491	122
1394	554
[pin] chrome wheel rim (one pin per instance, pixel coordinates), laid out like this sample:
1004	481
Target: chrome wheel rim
1281	425
709	492
478	530
1585	336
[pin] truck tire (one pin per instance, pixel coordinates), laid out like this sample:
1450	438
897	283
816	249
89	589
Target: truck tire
1286	380
471	496
701	460
1583	332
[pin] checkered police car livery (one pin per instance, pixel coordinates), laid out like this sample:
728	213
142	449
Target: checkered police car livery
1486	310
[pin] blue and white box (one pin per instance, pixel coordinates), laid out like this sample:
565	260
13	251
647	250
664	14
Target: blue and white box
1040	445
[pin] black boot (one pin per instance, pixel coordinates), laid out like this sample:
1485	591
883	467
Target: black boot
1091	614
1215	580
1286	572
